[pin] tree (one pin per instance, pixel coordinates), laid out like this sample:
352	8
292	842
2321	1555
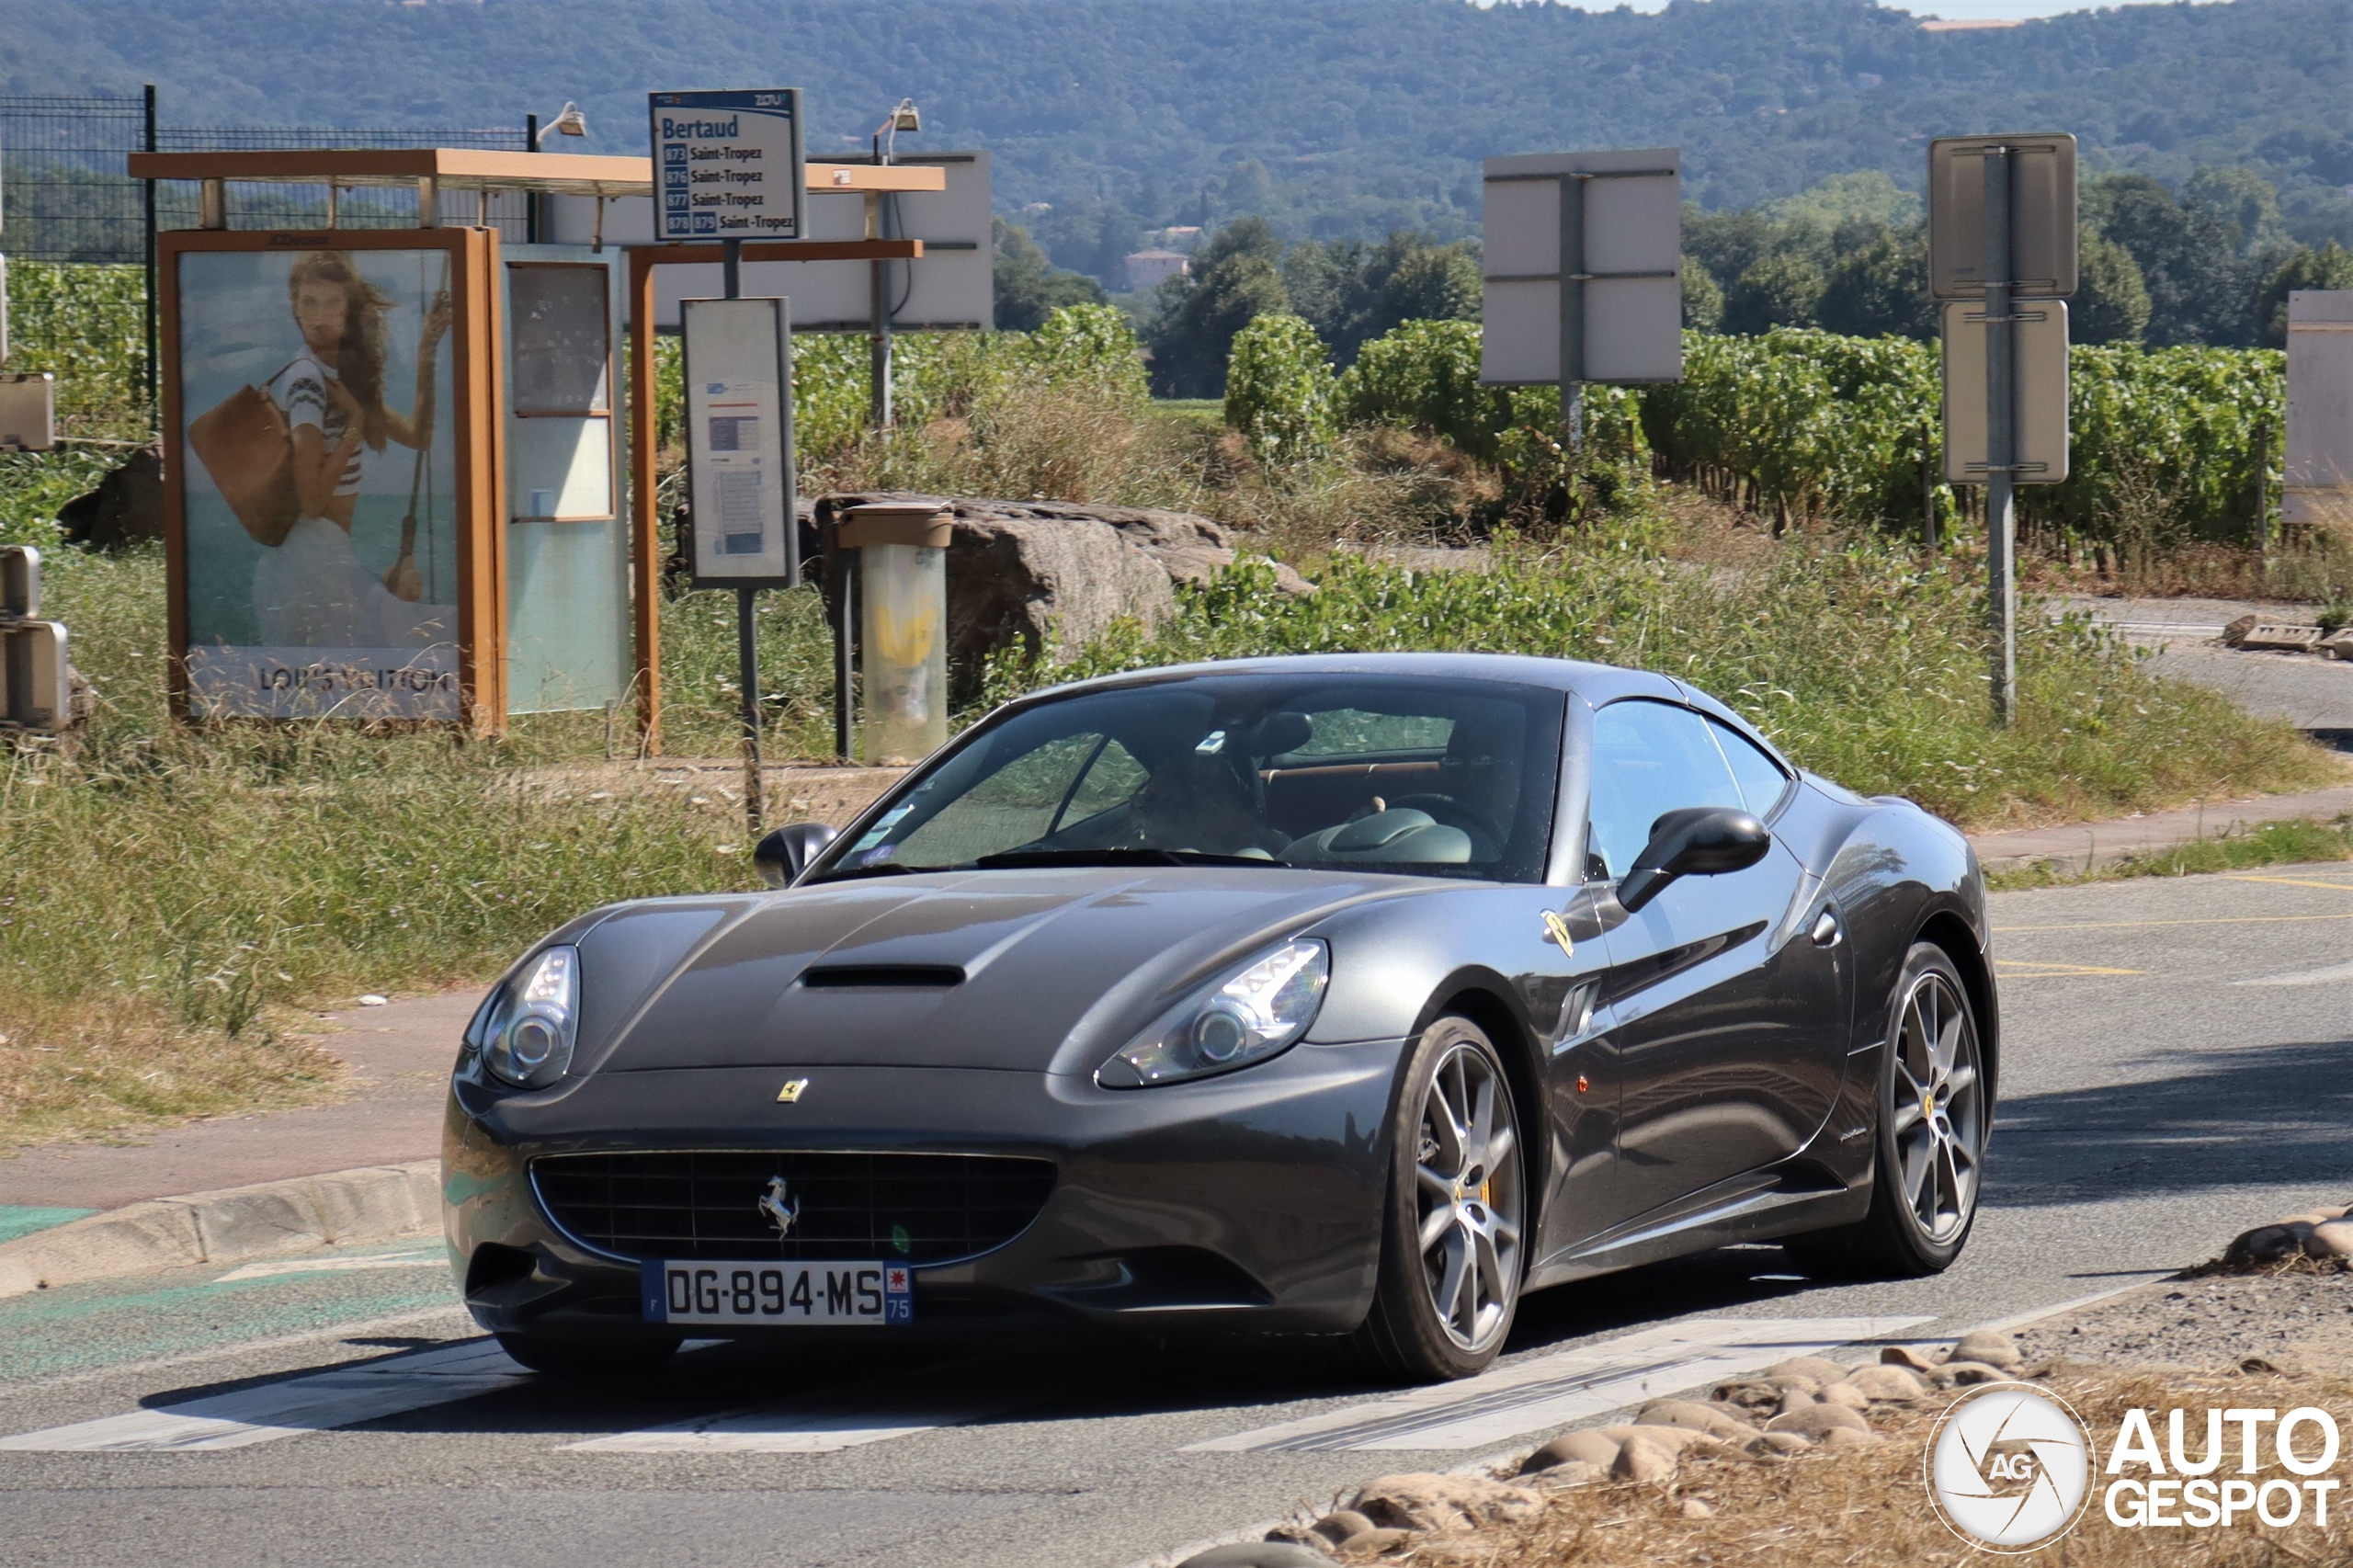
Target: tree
1431	284
1028	287
1238	281
1881	289
2331	267
1351	291
2199	289
2112	303
1703	296
1781	290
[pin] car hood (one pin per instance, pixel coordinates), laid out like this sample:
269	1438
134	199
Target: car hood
1047	970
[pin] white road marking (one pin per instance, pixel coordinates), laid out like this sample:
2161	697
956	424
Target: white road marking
337	1265
1552	1390
315	1401
2331	975
772	1431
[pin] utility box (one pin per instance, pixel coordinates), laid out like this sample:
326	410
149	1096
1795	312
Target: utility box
35	690
899	591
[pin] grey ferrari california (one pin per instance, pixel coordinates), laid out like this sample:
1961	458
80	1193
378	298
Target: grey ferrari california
1348	995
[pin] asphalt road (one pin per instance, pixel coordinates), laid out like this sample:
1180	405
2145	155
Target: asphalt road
2176	1070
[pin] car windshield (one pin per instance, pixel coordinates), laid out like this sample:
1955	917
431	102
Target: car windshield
1417	776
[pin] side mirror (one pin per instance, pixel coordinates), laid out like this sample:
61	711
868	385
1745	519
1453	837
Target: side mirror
1696	841
786	853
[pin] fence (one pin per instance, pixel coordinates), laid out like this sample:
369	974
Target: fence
69	196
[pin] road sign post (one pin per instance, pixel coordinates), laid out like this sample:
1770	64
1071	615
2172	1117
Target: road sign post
1583	273
2002	228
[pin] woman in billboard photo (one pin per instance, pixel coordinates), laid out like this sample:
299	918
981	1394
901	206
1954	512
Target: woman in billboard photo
310	589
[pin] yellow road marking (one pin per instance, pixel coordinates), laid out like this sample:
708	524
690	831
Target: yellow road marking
2214	920
2019	969
2294	882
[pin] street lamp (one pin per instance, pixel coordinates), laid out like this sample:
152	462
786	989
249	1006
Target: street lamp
907	117
569	122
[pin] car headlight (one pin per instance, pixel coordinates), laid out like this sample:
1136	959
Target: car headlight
1257	1013
523	1033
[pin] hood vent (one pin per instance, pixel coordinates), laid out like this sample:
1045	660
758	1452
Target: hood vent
882	977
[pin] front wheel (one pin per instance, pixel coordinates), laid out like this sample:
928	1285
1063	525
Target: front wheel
1934	1110
1450	1248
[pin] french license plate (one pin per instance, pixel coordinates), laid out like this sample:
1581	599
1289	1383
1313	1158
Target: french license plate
836	1294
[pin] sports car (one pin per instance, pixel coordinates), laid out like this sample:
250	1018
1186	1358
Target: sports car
1351	996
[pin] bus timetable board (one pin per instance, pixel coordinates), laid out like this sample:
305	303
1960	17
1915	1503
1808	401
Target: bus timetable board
726	165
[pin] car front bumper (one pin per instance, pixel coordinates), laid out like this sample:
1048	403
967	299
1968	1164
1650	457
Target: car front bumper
1250	1201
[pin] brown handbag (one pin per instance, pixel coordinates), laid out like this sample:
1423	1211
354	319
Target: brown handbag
245	444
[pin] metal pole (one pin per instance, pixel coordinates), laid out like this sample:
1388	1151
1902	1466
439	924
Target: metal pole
878	325
1572	281
531	198
154	341
2263	492
844	563
748	652
1927	490
2001	445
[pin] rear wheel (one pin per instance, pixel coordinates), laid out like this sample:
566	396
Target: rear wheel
583	1357
1934	1110
1450	1250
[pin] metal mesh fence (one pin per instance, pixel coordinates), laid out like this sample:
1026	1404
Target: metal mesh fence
69	195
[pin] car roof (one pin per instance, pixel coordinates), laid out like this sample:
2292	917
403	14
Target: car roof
1597	684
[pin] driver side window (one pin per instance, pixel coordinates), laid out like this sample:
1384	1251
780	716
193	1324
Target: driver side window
1650	758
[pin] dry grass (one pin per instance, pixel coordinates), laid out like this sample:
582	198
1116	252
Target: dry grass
1869	1508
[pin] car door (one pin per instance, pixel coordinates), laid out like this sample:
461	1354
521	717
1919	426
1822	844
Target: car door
1725	1010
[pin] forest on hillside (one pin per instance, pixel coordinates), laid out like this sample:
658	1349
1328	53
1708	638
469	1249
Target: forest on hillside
1336	120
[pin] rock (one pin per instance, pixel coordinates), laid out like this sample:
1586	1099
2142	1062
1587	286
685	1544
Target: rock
1968	1373
1258	1554
1795	1401
1053	574
1985	1346
1340	1524
1814	1367
2266	1244
1815	1420
1709	1418
1674	1439
1797	1383
1425	1502
2338	644
1847	1438
2332	1239
1639	1459
1573	1448
1746	1394
1845	1394
1777	1445
1292	1533
1695	1510
1906	1356
1370	1544
2236	633
126	507
1575	1473
1886	1382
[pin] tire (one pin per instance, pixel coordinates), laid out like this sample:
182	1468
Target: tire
587	1357
1457	1177
1933	1111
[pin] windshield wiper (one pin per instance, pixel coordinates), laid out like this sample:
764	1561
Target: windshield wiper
1116	855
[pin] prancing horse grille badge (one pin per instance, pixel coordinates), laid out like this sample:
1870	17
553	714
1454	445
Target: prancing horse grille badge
791	1093
783	1209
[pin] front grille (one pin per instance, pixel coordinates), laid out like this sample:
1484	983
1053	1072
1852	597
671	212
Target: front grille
922	1207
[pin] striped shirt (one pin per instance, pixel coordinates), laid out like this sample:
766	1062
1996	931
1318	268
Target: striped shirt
300	392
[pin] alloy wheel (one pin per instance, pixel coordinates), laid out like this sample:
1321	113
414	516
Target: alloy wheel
1468	1205
1936	1116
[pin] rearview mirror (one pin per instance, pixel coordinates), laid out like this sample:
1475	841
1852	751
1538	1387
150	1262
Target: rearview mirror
786	853
1696	841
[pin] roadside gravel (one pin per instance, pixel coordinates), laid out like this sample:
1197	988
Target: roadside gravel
2299	1321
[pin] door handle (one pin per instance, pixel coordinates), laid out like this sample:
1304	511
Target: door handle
1826	929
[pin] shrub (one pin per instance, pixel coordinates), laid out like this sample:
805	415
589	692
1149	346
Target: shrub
1279	392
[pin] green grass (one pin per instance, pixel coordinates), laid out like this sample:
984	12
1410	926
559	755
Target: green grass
2265	844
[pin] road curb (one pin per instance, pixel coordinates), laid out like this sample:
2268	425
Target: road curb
2081	848
235	1224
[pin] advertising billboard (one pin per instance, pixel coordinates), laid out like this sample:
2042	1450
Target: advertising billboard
323	474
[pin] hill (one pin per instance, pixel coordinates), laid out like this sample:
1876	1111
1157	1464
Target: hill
1334	118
